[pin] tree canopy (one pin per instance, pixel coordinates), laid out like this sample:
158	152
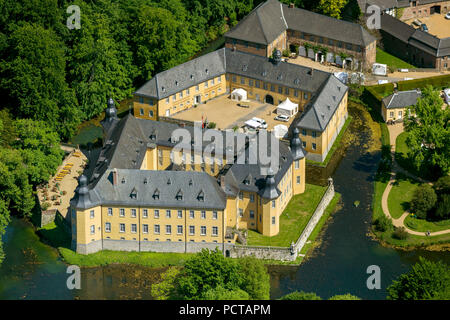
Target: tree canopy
429	132
426	280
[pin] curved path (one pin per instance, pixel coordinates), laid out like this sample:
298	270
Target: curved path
394	131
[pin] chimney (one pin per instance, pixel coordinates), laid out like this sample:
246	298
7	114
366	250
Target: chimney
291	5
114	177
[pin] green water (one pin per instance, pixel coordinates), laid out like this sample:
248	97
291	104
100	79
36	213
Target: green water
87	134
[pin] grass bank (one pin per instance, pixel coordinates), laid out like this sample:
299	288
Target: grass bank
147	259
401	195
393	62
293	219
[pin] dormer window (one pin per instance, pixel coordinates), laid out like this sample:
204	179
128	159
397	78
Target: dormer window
280	77
297	81
206	71
264	73
169	181
201	196
192	77
190	182
156	194
176	83
123	180
133	194
179	195
145	181
244	67
163	89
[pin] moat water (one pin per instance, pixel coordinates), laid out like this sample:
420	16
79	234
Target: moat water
33	270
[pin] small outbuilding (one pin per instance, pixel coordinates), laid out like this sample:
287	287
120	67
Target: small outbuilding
287	108
239	95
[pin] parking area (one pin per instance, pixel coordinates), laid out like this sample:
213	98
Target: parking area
227	114
436	23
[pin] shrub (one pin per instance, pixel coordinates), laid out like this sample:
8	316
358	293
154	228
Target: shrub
45	206
400	233
286	53
442	185
211	125
437	82
383	223
443	207
424	199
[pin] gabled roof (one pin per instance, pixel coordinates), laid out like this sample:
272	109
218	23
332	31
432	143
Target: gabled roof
321	110
262	25
183	76
106	193
397	28
401	99
328	27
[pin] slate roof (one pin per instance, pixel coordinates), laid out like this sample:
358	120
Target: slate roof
190	183
321	110
321	25
401	99
271	18
262	25
415	37
183	76
284	73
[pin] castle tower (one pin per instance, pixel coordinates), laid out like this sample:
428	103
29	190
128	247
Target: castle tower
298	165
110	118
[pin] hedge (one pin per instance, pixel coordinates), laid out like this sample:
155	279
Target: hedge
437	82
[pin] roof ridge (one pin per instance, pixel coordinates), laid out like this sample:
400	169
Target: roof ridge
261	25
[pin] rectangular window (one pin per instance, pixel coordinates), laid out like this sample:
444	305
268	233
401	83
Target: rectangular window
214	216
110	212
252	198
150	114
297	164
234	79
241	196
242	80
108	227
168	229
203	230
252	214
304	144
313	133
280	89
180	214
168	214
191	214
257	85
141	100
330	42
241	212
179	229
250	82
273	203
272	88
273	220
286	91
305	96
122	212
92	229
133	228
145	228
304	132
92	214
298	179
122	227
203	214
314	146
156	214
157	229
167	100
215	231
191	230
133	213
145	213
295	93
219	79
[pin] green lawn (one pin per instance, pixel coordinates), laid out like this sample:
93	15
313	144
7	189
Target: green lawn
335	146
148	259
293	220
424	225
400	196
392	61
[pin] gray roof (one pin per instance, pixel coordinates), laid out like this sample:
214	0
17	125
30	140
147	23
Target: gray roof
127	143
283	73
183	76
320	111
271	18
249	177
415	37
188	183
321	25
262	25
401	99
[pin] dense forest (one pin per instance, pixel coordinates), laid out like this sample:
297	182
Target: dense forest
53	78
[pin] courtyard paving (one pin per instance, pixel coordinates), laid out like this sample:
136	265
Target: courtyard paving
436	23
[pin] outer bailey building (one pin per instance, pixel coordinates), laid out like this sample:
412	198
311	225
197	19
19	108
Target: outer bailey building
133	197
273	25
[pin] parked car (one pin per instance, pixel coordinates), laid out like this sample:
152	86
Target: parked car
262	123
447	95
282	117
424	27
447	16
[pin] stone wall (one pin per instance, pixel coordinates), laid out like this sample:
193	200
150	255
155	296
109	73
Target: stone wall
47	217
424	10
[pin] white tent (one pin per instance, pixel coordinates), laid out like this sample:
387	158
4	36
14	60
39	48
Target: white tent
239	95
287	108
